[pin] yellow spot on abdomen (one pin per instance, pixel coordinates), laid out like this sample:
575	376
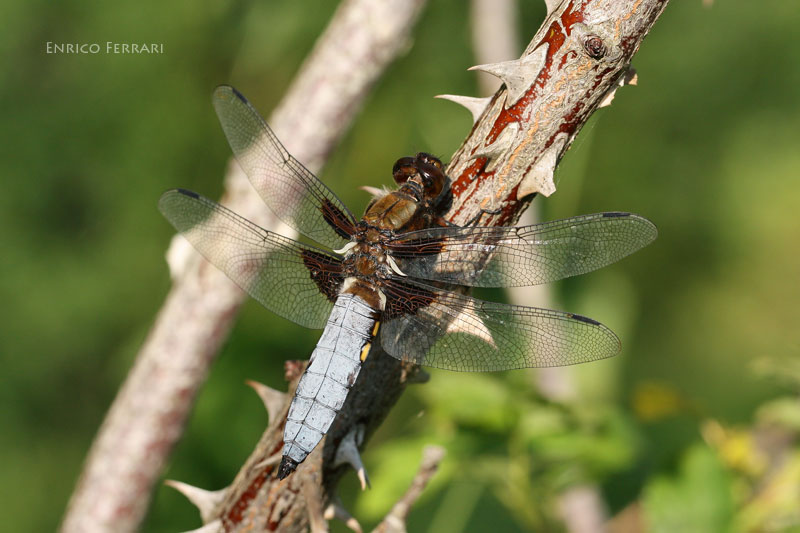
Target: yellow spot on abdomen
365	351
366	348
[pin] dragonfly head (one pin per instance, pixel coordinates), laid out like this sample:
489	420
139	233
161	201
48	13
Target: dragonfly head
423	173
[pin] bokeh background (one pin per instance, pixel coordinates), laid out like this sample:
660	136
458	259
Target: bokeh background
691	428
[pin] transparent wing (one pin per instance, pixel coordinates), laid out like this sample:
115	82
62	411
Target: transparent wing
521	256
295	281
456	332
296	196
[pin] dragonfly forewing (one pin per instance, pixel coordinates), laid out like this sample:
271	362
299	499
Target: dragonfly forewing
521	256
283	275
293	193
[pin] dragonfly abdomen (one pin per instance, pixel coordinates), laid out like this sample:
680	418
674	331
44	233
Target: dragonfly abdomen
333	370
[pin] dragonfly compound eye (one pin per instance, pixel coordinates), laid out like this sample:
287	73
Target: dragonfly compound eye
430	160
403	169
432	179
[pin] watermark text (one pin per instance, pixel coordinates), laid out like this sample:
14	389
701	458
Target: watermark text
109	47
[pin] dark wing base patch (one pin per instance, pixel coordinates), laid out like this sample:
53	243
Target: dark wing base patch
337	219
325	271
415	248
404	298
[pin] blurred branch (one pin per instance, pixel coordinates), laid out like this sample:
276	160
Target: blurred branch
395	521
583	509
497	18
150	411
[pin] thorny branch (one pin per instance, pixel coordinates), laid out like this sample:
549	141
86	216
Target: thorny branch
577	59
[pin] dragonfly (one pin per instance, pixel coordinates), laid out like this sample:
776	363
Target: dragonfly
395	275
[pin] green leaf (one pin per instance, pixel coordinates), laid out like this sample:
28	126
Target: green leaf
698	499
477	400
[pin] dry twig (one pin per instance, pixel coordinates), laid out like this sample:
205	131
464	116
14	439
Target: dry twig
395	520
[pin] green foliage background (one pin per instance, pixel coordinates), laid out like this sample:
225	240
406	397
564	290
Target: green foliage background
706	146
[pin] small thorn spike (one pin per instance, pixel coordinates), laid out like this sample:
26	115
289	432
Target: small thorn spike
518	74
211	527
629	78
274	400
495	151
312	494
539	178
348	454
552	5
609	97
206	501
476	106
363	478
179	256
269	461
465	322
336	510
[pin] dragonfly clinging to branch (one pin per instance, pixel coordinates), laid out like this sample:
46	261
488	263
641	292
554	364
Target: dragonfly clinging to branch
389	275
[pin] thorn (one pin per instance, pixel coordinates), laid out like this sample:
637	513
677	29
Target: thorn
269	461
608	98
336	510
499	147
179	256
465	322
476	106
274	400
206	501
517	74
211	527
363	478
359	435
552	5
539	178
312	494
629	78
348	453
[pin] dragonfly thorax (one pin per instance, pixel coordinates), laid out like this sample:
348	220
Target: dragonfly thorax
366	258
